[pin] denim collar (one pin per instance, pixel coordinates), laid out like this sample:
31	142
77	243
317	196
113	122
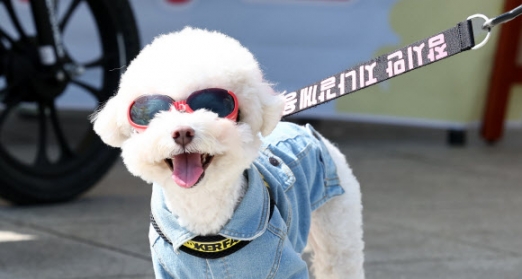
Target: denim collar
249	221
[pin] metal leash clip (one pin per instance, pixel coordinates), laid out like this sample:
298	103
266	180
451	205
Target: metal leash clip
503	18
488	23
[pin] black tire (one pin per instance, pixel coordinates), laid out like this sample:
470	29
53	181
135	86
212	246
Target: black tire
69	158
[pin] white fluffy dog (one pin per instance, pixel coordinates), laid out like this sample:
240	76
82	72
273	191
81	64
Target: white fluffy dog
236	192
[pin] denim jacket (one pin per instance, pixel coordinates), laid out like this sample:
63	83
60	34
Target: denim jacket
301	176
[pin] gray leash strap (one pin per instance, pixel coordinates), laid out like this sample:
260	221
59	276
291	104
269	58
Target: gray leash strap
414	56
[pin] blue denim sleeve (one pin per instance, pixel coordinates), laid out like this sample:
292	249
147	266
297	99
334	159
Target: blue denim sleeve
303	176
302	149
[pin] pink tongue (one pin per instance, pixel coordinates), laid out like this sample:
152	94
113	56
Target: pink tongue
187	169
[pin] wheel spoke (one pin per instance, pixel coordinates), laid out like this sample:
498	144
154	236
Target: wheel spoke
66	152
14	18
96	92
98	62
95	63
3	115
6	36
68	14
41	153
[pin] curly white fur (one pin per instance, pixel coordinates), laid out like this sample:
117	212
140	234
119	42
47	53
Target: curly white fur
180	63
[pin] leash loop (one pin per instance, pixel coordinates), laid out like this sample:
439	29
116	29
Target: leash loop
479	30
490	23
503	18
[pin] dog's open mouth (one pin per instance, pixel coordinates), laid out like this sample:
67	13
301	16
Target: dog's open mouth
188	168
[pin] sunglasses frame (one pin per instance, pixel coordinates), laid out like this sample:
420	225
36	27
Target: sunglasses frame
183	106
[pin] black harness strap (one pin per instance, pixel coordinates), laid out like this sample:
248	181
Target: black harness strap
448	43
210	246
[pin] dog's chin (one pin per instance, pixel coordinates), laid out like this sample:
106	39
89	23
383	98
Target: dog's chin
188	169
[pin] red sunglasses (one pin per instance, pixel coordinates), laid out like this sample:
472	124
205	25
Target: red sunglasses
220	101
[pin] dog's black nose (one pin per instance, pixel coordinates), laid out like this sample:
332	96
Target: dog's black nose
183	135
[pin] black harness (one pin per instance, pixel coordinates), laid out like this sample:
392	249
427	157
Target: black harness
211	246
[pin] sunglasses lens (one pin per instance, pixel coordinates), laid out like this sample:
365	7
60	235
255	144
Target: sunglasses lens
146	107
216	100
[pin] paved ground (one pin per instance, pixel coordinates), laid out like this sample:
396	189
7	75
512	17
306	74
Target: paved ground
431	211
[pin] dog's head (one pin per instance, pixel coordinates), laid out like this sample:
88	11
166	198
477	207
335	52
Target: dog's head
179	143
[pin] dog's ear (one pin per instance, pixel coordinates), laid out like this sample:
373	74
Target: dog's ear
111	124
272	106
